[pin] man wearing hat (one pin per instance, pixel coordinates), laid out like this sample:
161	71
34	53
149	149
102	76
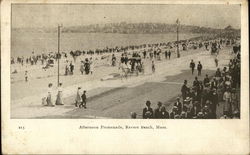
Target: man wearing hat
147	111
196	82
192	66
199	68
178	104
206	80
84	100
184	90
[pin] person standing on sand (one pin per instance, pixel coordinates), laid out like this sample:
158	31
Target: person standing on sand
78	97
199	68
166	54
59	100
216	61
91	66
26	76
71	68
84	100
82	67
184	90
49	96
153	67
192	66
169	53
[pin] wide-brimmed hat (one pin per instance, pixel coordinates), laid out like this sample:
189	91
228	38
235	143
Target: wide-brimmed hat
187	99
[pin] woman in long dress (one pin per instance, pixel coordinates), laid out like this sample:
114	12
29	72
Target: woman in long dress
49	96
91	66
78	99
59	100
82	67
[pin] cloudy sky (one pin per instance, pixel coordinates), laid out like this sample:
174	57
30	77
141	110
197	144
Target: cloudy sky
216	16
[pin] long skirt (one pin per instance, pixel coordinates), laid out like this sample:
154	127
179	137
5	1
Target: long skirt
59	100
78	100
49	100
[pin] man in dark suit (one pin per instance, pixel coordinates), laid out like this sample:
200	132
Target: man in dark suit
84	100
196	82
147	111
199	68
178	104
206	80
184	90
192	66
157	111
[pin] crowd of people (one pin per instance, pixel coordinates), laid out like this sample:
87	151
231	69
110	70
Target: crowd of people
201	100
130	61
80	98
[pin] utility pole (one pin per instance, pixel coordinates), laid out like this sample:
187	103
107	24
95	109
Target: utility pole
58	54
177	25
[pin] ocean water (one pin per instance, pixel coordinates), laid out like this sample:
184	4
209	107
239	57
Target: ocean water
24	43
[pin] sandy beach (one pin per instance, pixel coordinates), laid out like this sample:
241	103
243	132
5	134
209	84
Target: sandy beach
125	96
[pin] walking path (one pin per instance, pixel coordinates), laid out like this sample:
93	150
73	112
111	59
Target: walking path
107	94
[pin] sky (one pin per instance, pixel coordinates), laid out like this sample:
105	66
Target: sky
213	15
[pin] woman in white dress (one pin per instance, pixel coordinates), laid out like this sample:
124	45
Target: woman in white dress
78	99
49	96
91	65
59	100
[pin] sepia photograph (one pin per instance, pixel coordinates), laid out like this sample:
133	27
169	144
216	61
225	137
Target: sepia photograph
124	77
115	61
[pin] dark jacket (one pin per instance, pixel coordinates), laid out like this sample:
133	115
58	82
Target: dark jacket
157	113
192	65
199	67
179	106
84	97
147	113
164	115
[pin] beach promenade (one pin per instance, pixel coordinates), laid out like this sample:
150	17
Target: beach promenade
115	98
